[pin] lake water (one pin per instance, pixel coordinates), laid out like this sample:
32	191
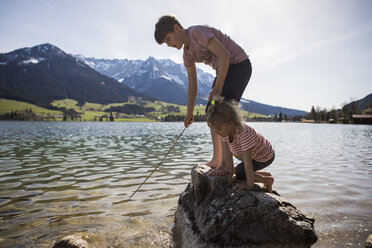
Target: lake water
60	178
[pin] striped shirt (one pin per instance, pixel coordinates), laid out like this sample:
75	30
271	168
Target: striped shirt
249	139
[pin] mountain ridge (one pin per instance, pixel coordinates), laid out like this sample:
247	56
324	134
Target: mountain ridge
44	73
147	76
158	71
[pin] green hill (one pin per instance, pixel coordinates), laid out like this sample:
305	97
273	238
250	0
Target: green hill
155	111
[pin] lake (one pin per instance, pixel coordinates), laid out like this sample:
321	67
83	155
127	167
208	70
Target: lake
60	178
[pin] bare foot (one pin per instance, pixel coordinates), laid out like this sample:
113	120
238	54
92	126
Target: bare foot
264	173
269	181
213	163
218	172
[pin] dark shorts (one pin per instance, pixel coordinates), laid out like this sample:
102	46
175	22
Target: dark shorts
236	81
240	171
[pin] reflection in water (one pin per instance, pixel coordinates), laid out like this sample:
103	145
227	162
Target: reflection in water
61	178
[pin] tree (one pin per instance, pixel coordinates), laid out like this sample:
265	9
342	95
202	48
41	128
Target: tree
275	117
312	114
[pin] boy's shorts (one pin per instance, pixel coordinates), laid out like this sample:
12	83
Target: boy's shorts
240	171
236	81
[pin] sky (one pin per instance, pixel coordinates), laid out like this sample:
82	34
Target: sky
304	53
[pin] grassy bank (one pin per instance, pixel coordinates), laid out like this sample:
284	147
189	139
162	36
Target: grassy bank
157	110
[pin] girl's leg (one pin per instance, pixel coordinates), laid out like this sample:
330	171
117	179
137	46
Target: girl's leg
217	150
267	180
263	173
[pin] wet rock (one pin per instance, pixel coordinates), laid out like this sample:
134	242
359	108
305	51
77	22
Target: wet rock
369	241
71	241
211	214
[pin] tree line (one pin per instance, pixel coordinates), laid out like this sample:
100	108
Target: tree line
27	115
342	115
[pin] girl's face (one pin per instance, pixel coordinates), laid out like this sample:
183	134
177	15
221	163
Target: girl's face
224	130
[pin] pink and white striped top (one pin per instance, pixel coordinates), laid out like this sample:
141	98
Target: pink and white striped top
249	139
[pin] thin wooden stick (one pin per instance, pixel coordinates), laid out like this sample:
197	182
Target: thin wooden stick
179	136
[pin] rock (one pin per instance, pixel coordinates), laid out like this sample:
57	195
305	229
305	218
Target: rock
71	241
211	214
369	241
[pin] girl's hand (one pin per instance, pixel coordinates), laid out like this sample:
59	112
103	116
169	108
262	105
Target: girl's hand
242	186
214	92
189	119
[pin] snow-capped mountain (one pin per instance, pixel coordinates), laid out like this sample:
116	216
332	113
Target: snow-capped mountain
32	55
163	79
44	73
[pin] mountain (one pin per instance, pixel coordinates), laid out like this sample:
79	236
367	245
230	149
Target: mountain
45	73
265	109
361	104
163	79
167	80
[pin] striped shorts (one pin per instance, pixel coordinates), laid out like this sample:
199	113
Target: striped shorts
236	81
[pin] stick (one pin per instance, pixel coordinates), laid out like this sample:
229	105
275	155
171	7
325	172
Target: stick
179	136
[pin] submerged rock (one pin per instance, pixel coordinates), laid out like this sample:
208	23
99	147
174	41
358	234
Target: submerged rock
211	214
71	241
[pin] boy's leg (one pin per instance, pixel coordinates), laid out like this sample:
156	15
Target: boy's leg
217	150
236	81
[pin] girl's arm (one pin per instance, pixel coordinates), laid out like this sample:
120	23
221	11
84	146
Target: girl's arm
192	91
228	162
227	158
216	47
248	167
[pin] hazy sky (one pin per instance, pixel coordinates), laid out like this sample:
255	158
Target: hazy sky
304	53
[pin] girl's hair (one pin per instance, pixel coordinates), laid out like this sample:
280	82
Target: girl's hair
164	26
222	112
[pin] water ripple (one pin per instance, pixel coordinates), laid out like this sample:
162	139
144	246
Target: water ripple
60	178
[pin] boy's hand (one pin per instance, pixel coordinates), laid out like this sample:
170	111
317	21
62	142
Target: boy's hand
189	119
242	186
214	92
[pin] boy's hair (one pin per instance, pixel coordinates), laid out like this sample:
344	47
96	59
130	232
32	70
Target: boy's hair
222	112
164	26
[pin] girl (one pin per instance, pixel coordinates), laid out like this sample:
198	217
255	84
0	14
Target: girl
243	142
205	44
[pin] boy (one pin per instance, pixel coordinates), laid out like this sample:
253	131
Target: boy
212	47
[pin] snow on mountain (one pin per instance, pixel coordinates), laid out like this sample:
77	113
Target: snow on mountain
176	78
32	60
139	73
32	55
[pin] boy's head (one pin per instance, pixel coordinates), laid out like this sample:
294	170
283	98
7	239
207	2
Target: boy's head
164	26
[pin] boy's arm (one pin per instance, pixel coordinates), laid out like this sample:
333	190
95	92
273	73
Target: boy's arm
216	47
192	91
